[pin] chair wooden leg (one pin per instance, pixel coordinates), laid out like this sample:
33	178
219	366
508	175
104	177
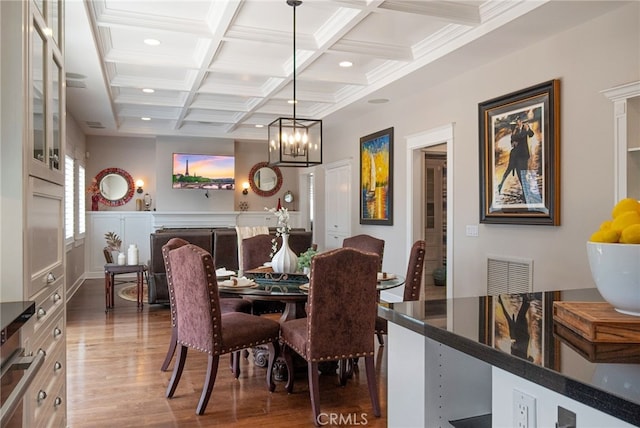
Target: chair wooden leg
274	352
380	338
314	390
288	359
373	386
177	371
209	380
172	349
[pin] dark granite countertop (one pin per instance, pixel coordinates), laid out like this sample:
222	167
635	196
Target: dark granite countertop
605	377
12	316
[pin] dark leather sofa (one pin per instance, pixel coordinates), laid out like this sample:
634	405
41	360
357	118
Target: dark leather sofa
222	243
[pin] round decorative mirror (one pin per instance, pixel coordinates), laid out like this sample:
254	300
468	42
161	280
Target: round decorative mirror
265	180
116	186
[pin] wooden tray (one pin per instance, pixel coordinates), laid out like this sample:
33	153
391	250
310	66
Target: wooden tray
597	322
598	352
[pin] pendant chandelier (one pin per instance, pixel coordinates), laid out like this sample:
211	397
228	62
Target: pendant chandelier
294	141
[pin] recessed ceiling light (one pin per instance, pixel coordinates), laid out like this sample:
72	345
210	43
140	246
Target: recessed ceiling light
151	42
345	64
378	101
148	90
259	125
145	118
292	102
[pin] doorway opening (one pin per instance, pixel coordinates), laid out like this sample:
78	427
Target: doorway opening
434	220
420	210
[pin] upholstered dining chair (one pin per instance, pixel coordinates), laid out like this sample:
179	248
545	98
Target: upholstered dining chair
255	252
341	313
366	243
411	286
202	326
227	304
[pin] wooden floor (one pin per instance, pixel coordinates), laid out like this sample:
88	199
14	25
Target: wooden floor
114	377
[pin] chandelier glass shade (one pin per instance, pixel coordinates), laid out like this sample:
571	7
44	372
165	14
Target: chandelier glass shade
294	141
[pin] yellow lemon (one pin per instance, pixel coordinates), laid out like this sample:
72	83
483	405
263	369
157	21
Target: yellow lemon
625	205
605	225
630	234
625	219
608	235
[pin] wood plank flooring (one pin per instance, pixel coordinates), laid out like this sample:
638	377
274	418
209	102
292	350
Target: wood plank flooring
114	377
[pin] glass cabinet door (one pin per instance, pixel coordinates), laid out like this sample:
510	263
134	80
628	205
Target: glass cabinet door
46	98
38	95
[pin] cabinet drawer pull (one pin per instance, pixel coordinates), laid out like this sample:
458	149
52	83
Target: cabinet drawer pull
51	278
57	366
57	402
41	313
41	395
56	297
57	332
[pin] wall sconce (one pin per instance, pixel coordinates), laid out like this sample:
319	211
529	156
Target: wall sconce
139	184
245	188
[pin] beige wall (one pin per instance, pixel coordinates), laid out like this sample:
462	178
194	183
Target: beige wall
591	57
150	160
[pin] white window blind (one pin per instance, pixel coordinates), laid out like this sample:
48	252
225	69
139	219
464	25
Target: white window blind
82	227
68	198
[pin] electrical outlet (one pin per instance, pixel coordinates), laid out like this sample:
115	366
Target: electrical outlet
524	410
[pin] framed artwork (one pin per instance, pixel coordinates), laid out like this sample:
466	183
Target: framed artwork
520	157
376	178
521	324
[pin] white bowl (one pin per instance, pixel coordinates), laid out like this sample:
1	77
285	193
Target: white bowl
616	270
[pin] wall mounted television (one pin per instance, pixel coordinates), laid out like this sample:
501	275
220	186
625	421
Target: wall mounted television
199	171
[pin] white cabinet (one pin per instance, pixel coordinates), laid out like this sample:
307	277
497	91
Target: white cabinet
43	258
337	203
626	128
132	227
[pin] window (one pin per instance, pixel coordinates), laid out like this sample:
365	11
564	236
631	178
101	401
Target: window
82	226
69	213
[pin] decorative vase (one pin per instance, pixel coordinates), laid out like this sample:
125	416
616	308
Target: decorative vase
94	202
132	254
122	259
285	260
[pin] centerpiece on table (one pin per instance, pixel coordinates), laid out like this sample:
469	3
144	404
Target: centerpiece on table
304	261
283	260
614	257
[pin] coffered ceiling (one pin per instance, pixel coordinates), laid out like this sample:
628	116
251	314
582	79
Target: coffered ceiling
223	68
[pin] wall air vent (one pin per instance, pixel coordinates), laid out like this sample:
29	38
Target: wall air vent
509	275
94	125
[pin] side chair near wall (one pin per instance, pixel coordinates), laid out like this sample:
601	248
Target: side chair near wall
411	285
202	326
341	313
366	243
226	305
255	252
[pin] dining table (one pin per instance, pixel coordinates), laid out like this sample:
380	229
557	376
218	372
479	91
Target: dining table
289	288
292	289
